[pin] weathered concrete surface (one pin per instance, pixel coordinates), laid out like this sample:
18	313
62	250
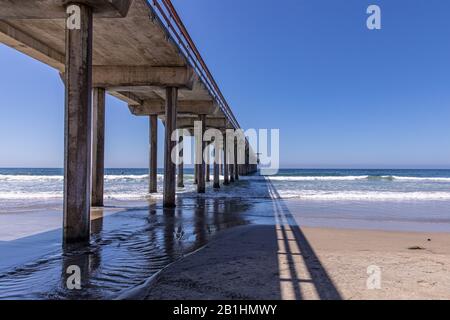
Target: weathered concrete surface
200	145
226	175
169	165
77	159
98	146
153	158
180	179
54	9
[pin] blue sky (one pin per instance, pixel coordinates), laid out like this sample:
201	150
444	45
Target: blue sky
341	95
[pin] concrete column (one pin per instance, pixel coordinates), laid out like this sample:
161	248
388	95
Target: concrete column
236	166
169	165
216	184
98	147
231	159
153	165
180	166
226	180
195	170
201	187
208	165
231	165
77	145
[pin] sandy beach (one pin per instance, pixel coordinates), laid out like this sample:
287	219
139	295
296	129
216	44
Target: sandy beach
252	262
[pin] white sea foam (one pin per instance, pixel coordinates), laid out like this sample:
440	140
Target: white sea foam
44	178
29	178
317	178
129	187
12	195
364	195
351	178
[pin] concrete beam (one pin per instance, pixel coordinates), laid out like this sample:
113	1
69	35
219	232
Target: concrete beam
128	76
28	45
188	123
157	106
55	9
128	97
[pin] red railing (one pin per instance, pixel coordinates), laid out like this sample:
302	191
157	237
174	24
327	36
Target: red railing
171	20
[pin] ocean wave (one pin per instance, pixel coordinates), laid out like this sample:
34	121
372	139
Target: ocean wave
254	194
57	178
365	196
316	178
12	195
352	178
29	178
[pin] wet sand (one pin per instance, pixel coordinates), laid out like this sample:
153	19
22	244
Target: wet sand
288	262
129	243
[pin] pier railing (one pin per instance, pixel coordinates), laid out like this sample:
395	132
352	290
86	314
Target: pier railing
171	20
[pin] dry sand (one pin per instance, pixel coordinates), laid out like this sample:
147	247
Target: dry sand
288	262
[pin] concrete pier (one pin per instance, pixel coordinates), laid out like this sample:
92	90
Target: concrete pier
153	156
169	165
145	63
98	146
77	158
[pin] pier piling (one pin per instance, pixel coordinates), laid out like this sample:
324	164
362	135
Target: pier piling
216	184
201	188
226	180
77	162
169	165
153	165
98	146
208	165
181	165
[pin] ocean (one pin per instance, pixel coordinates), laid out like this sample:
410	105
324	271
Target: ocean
22	188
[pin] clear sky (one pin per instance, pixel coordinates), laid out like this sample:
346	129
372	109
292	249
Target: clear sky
341	95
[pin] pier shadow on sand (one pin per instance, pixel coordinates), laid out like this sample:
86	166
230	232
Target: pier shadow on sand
302	275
